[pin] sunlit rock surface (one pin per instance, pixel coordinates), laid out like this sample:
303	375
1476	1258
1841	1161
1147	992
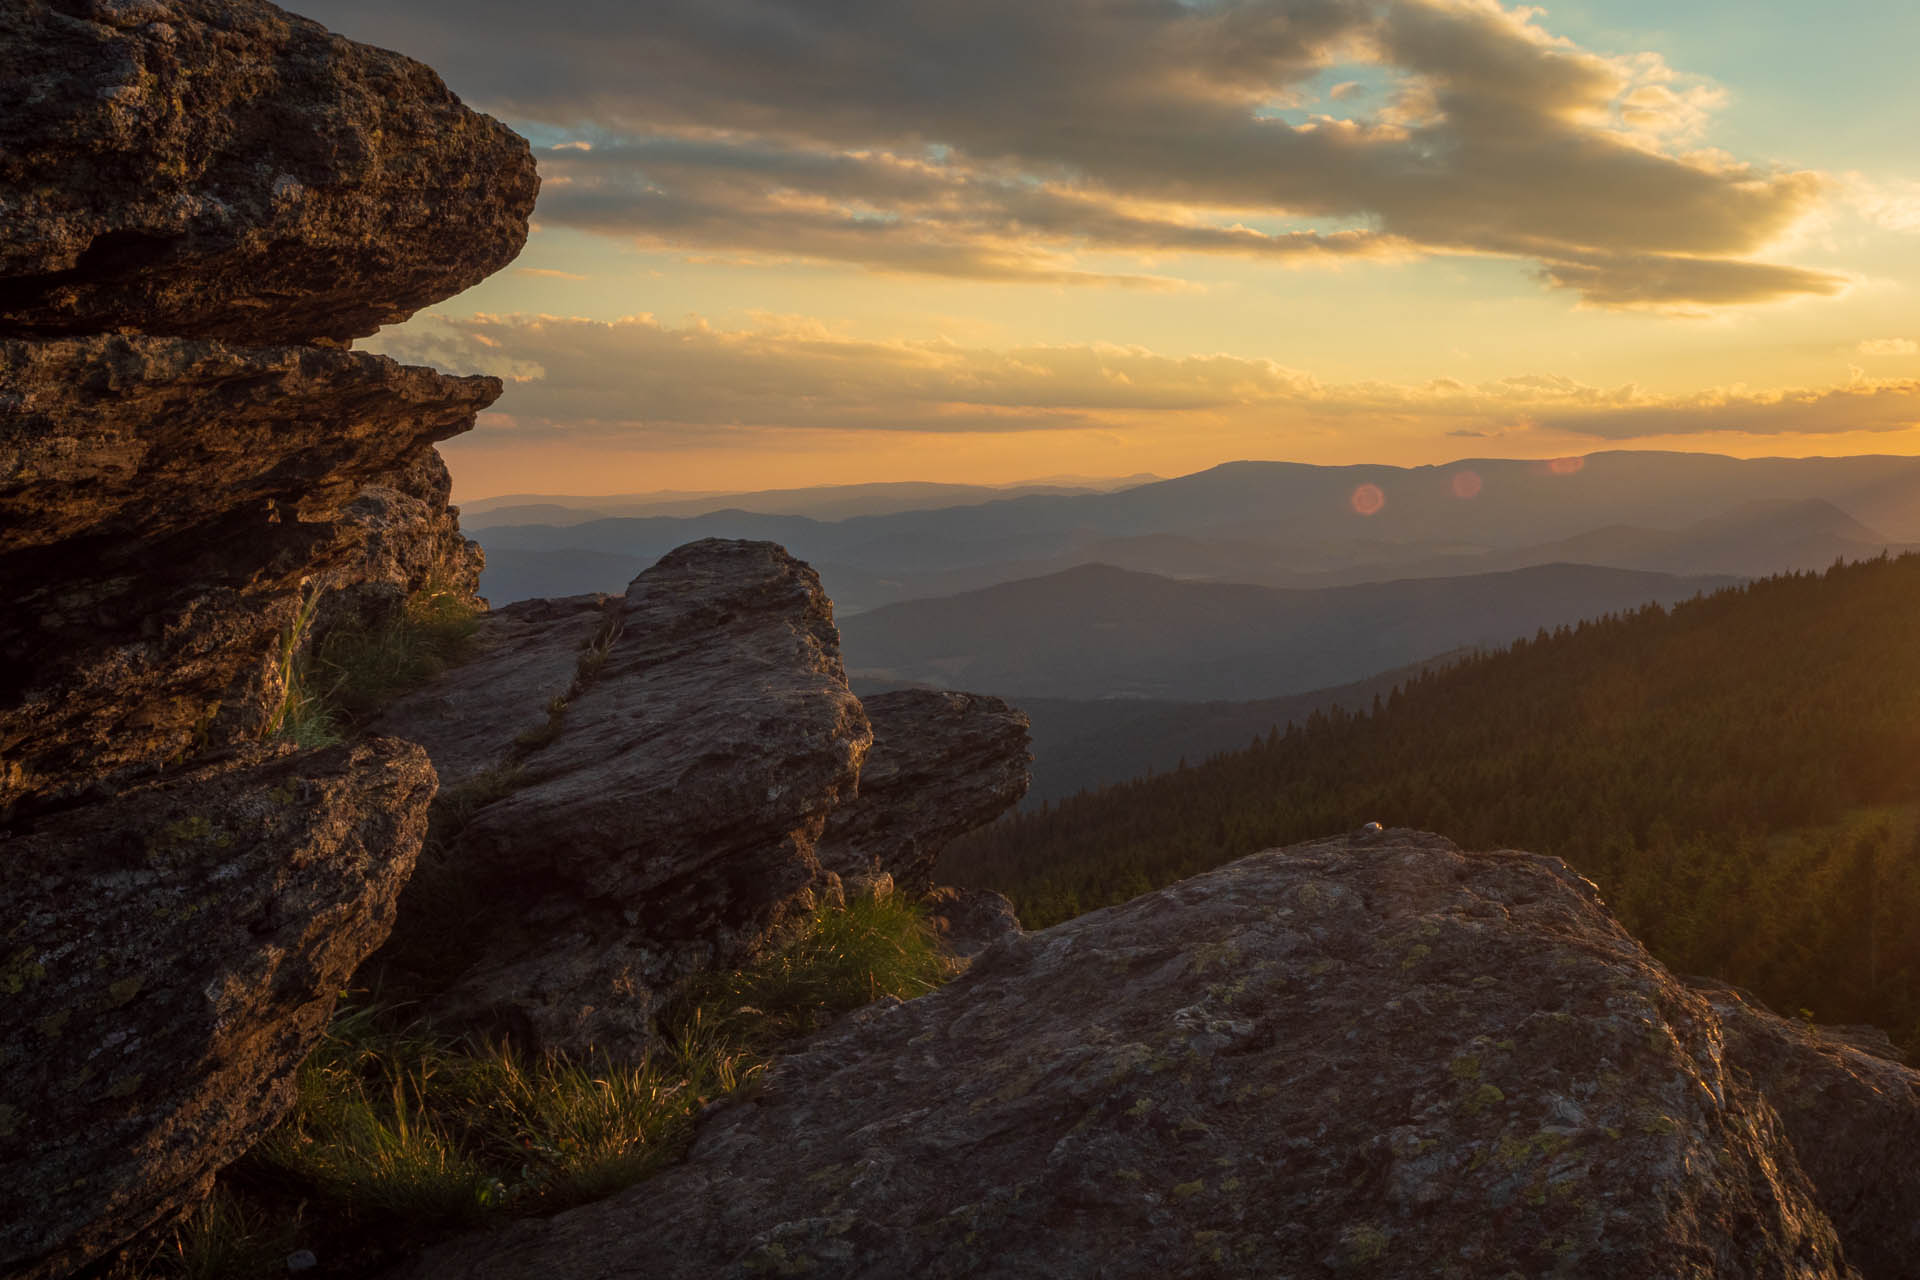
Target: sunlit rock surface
223	168
1371	1056
167	959
164	504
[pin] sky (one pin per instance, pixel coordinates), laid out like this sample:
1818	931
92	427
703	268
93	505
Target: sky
795	242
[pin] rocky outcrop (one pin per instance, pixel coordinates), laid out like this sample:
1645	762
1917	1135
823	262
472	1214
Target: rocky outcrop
201	203
1853	1116
167	959
658	770
1375	1056
942	764
164	504
222	168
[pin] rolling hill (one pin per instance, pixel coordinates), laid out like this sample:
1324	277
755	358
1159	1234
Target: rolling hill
1101	632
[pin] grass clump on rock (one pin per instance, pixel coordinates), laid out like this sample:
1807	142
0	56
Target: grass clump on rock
343	676
403	1134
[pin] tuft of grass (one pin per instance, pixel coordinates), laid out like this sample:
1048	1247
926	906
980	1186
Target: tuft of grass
362	666
224	1238
302	717
837	959
401	1133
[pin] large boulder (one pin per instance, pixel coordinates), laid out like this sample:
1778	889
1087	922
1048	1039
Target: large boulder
1373	1056
165	503
222	168
166	960
656	780
942	764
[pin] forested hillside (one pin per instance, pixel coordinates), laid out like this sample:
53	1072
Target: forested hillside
1739	775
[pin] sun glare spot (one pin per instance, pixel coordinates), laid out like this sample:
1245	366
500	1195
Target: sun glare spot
1368	499
1466	484
1566	466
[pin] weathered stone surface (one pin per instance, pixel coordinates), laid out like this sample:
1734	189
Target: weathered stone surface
136	437
480	717
1380	1057
666	819
942	764
167	959
222	168
1853	1116
411	541
968	921
163	504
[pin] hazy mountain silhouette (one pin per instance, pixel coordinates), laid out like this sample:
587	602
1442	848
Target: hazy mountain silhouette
821	502
1101	632
1279	523
1084	744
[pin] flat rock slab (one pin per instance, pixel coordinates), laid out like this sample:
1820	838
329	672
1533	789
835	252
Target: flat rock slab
168	959
113	436
1379	1057
223	168
942	764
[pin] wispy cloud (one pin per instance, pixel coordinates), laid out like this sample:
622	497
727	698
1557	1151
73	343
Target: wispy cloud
1889	347
547	273
653	385
1004	139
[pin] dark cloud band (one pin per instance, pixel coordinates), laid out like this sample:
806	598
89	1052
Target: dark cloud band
998	138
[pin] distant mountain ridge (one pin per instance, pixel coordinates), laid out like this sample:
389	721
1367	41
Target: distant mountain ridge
1101	632
1281	523
821	502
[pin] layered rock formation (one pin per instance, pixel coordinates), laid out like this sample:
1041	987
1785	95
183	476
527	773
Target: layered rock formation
190	190
200	202
164	503
167	961
1373	1056
650	777
224	169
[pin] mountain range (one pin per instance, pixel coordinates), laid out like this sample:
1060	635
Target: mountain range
1289	524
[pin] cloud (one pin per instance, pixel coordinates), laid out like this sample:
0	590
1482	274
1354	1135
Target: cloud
653	385
1863	406
1889	347
1003	139
547	273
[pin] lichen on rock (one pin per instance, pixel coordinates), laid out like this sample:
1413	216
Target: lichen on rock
168	958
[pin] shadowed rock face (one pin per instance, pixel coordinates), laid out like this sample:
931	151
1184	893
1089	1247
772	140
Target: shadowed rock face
162	502
222	168
1854	1119
167	959
942	764
663	818
1374	1056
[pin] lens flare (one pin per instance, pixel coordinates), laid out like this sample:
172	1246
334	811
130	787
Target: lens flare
1466	484
1368	499
1566	466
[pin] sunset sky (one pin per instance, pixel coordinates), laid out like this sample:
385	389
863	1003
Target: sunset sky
788	242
